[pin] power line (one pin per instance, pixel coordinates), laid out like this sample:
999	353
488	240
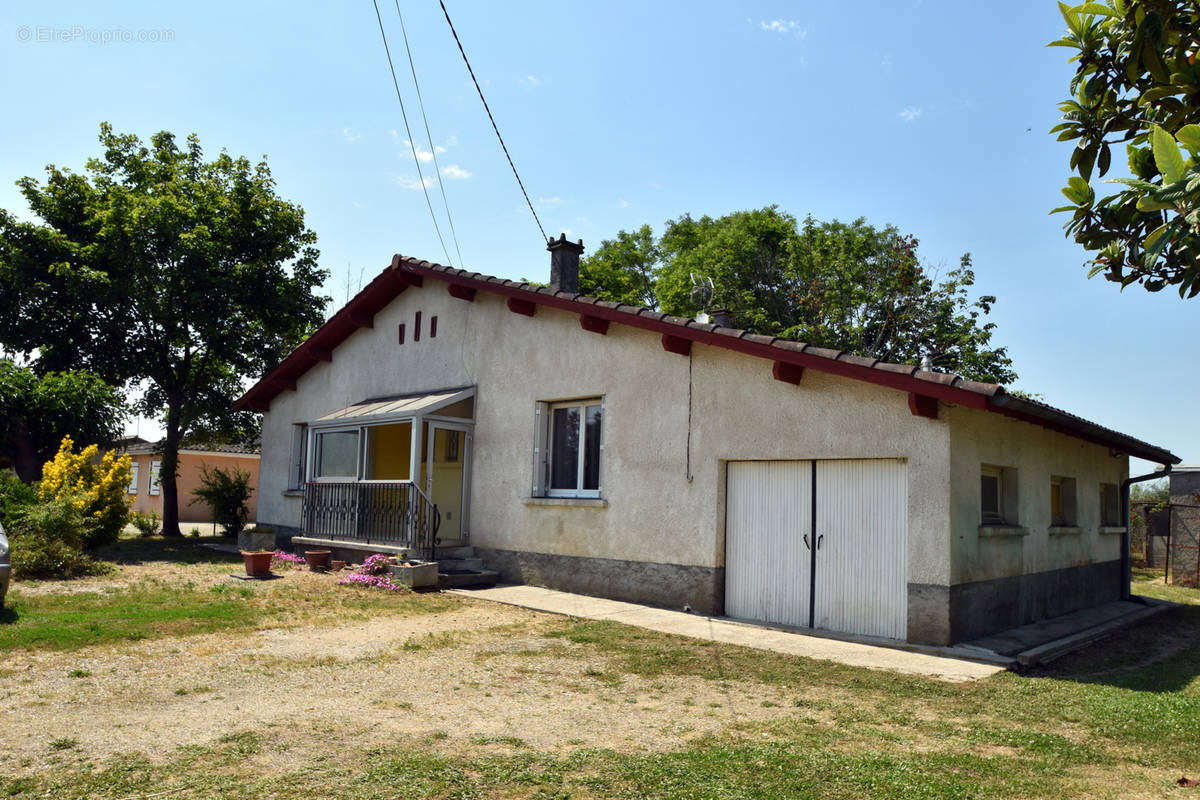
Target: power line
493	119
411	143
432	148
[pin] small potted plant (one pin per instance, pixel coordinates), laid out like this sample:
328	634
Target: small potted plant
258	562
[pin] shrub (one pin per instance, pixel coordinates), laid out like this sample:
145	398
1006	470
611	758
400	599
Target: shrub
97	488
47	540
225	492
15	493
195	532
148	524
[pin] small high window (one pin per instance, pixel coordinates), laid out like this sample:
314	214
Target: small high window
997	495
1110	506
991	486
1062	501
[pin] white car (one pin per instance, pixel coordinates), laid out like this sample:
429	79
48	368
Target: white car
5	566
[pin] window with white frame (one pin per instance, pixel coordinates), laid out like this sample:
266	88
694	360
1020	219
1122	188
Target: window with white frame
336	454
155	483
570	444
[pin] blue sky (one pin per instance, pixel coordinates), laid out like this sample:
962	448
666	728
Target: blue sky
931	116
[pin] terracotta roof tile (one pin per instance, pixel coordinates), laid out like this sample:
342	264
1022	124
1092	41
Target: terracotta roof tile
822	352
899	369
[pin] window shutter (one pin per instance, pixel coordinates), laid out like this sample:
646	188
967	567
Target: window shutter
539	450
133	478
299	435
603	436
155	468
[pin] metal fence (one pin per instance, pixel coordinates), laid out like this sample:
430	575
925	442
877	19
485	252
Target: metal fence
371	512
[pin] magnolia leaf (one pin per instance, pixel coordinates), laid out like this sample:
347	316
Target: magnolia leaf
1095	8
1145	203
1166	155
1189	136
1155	235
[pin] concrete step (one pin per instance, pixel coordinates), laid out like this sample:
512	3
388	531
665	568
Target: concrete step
444	553
458	580
460	564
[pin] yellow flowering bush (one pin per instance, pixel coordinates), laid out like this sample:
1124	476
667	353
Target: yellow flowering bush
96	487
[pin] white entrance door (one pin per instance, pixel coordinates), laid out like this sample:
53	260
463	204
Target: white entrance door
447	472
767	539
856	579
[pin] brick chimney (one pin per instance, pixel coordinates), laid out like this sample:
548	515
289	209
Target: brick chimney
564	264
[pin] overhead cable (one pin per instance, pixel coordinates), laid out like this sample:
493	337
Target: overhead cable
493	120
411	143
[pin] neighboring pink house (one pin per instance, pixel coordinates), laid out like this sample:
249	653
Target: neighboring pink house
144	489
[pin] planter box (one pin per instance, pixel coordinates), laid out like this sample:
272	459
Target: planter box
418	576
256	540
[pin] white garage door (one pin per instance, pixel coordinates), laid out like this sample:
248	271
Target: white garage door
856	579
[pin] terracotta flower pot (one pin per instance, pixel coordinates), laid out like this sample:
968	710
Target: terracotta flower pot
257	563
318	559
338	566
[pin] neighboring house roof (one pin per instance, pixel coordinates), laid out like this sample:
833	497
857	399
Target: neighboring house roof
677	335
149	448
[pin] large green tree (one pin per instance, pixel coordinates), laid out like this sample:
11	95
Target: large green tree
850	287
177	276
37	411
1135	97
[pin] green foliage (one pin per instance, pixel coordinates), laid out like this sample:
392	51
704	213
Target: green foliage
850	287
147	524
37	411
1136	84
225	492
94	484
15	493
47	540
162	267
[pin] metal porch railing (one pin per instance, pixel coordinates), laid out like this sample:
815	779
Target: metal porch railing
372	512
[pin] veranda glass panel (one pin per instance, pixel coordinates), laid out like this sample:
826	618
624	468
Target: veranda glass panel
337	454
591	451
564	448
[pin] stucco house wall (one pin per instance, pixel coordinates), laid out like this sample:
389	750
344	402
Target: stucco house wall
1028	569
191	465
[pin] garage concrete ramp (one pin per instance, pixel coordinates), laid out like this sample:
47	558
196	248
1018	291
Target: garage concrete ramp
948	664
1042	642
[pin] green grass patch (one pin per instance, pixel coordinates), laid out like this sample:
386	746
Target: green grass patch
83	619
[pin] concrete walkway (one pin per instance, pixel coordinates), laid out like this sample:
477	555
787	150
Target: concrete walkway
856	654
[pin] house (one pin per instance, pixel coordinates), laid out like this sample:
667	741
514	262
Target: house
144	489
616	451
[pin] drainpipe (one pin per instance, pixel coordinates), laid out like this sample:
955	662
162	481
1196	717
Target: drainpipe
1126	567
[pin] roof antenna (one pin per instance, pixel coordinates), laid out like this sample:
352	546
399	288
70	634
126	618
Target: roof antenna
702	295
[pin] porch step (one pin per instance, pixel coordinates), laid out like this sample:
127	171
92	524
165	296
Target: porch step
451	553
458	580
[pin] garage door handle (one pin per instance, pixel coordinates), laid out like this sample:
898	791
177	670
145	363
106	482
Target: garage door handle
806	541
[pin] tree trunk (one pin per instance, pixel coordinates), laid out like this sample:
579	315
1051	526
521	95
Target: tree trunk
169	472
26	462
